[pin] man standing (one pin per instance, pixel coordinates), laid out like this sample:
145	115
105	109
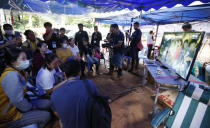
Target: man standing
50	37
150	43
96	38
79	36
62	36
118	48
135	38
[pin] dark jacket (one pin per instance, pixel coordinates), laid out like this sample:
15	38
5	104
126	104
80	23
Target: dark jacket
96	38
136	37
79	36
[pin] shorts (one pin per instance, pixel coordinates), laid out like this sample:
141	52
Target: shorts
134	52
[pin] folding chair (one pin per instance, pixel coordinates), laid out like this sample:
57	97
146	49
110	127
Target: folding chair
102	58
143	54
190	110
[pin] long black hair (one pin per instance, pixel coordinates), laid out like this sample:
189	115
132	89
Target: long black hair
11	55
39	45
48	59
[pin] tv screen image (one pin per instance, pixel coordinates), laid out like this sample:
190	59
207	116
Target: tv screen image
178	51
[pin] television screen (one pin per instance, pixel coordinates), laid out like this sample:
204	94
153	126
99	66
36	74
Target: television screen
178	51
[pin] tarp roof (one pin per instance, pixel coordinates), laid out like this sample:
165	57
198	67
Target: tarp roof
179	14
87	6
136	4
165	16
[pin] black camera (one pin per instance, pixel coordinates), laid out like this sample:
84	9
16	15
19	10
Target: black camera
107	45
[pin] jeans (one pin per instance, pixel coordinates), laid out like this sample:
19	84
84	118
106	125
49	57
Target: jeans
91	61
116	60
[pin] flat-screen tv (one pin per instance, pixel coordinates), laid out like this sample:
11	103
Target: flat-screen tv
179	50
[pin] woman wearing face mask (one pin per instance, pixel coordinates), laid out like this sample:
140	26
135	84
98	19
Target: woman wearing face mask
15	109
45	80
63	52
38	57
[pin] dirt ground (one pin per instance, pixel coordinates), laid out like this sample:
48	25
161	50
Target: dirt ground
131	98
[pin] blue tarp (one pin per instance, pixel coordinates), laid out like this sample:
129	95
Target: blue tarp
87	6
137	4
163	16
179	14
166	16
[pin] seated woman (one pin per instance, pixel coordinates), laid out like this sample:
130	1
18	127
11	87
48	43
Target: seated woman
63	52
38	57
45	80
15	109
89	57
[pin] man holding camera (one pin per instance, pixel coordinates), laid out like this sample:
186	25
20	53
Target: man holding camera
118	48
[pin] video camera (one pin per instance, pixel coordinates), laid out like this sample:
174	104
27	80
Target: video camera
106	45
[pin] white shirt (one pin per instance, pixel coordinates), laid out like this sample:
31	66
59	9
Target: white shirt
45	80
74	49
149	39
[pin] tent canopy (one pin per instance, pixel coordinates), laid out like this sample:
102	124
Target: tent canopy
136	4
78	7
165	16
88	6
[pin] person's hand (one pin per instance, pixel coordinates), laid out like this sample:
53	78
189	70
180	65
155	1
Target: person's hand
11	42
105	40
78	58
18	40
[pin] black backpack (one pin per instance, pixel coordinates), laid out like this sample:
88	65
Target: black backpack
99	112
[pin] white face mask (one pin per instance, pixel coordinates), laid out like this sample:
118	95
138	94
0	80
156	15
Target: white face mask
65	45
23	65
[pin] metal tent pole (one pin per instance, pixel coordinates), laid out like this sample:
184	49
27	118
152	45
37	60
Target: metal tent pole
156	32
140	16
130	28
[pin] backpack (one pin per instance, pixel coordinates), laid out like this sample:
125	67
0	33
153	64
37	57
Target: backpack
99	112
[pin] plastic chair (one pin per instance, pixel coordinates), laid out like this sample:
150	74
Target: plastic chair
102	58
190	110
143	54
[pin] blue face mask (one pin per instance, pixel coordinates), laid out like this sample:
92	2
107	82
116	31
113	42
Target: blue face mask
9	32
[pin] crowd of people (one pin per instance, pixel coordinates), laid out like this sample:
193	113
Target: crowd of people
54	67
